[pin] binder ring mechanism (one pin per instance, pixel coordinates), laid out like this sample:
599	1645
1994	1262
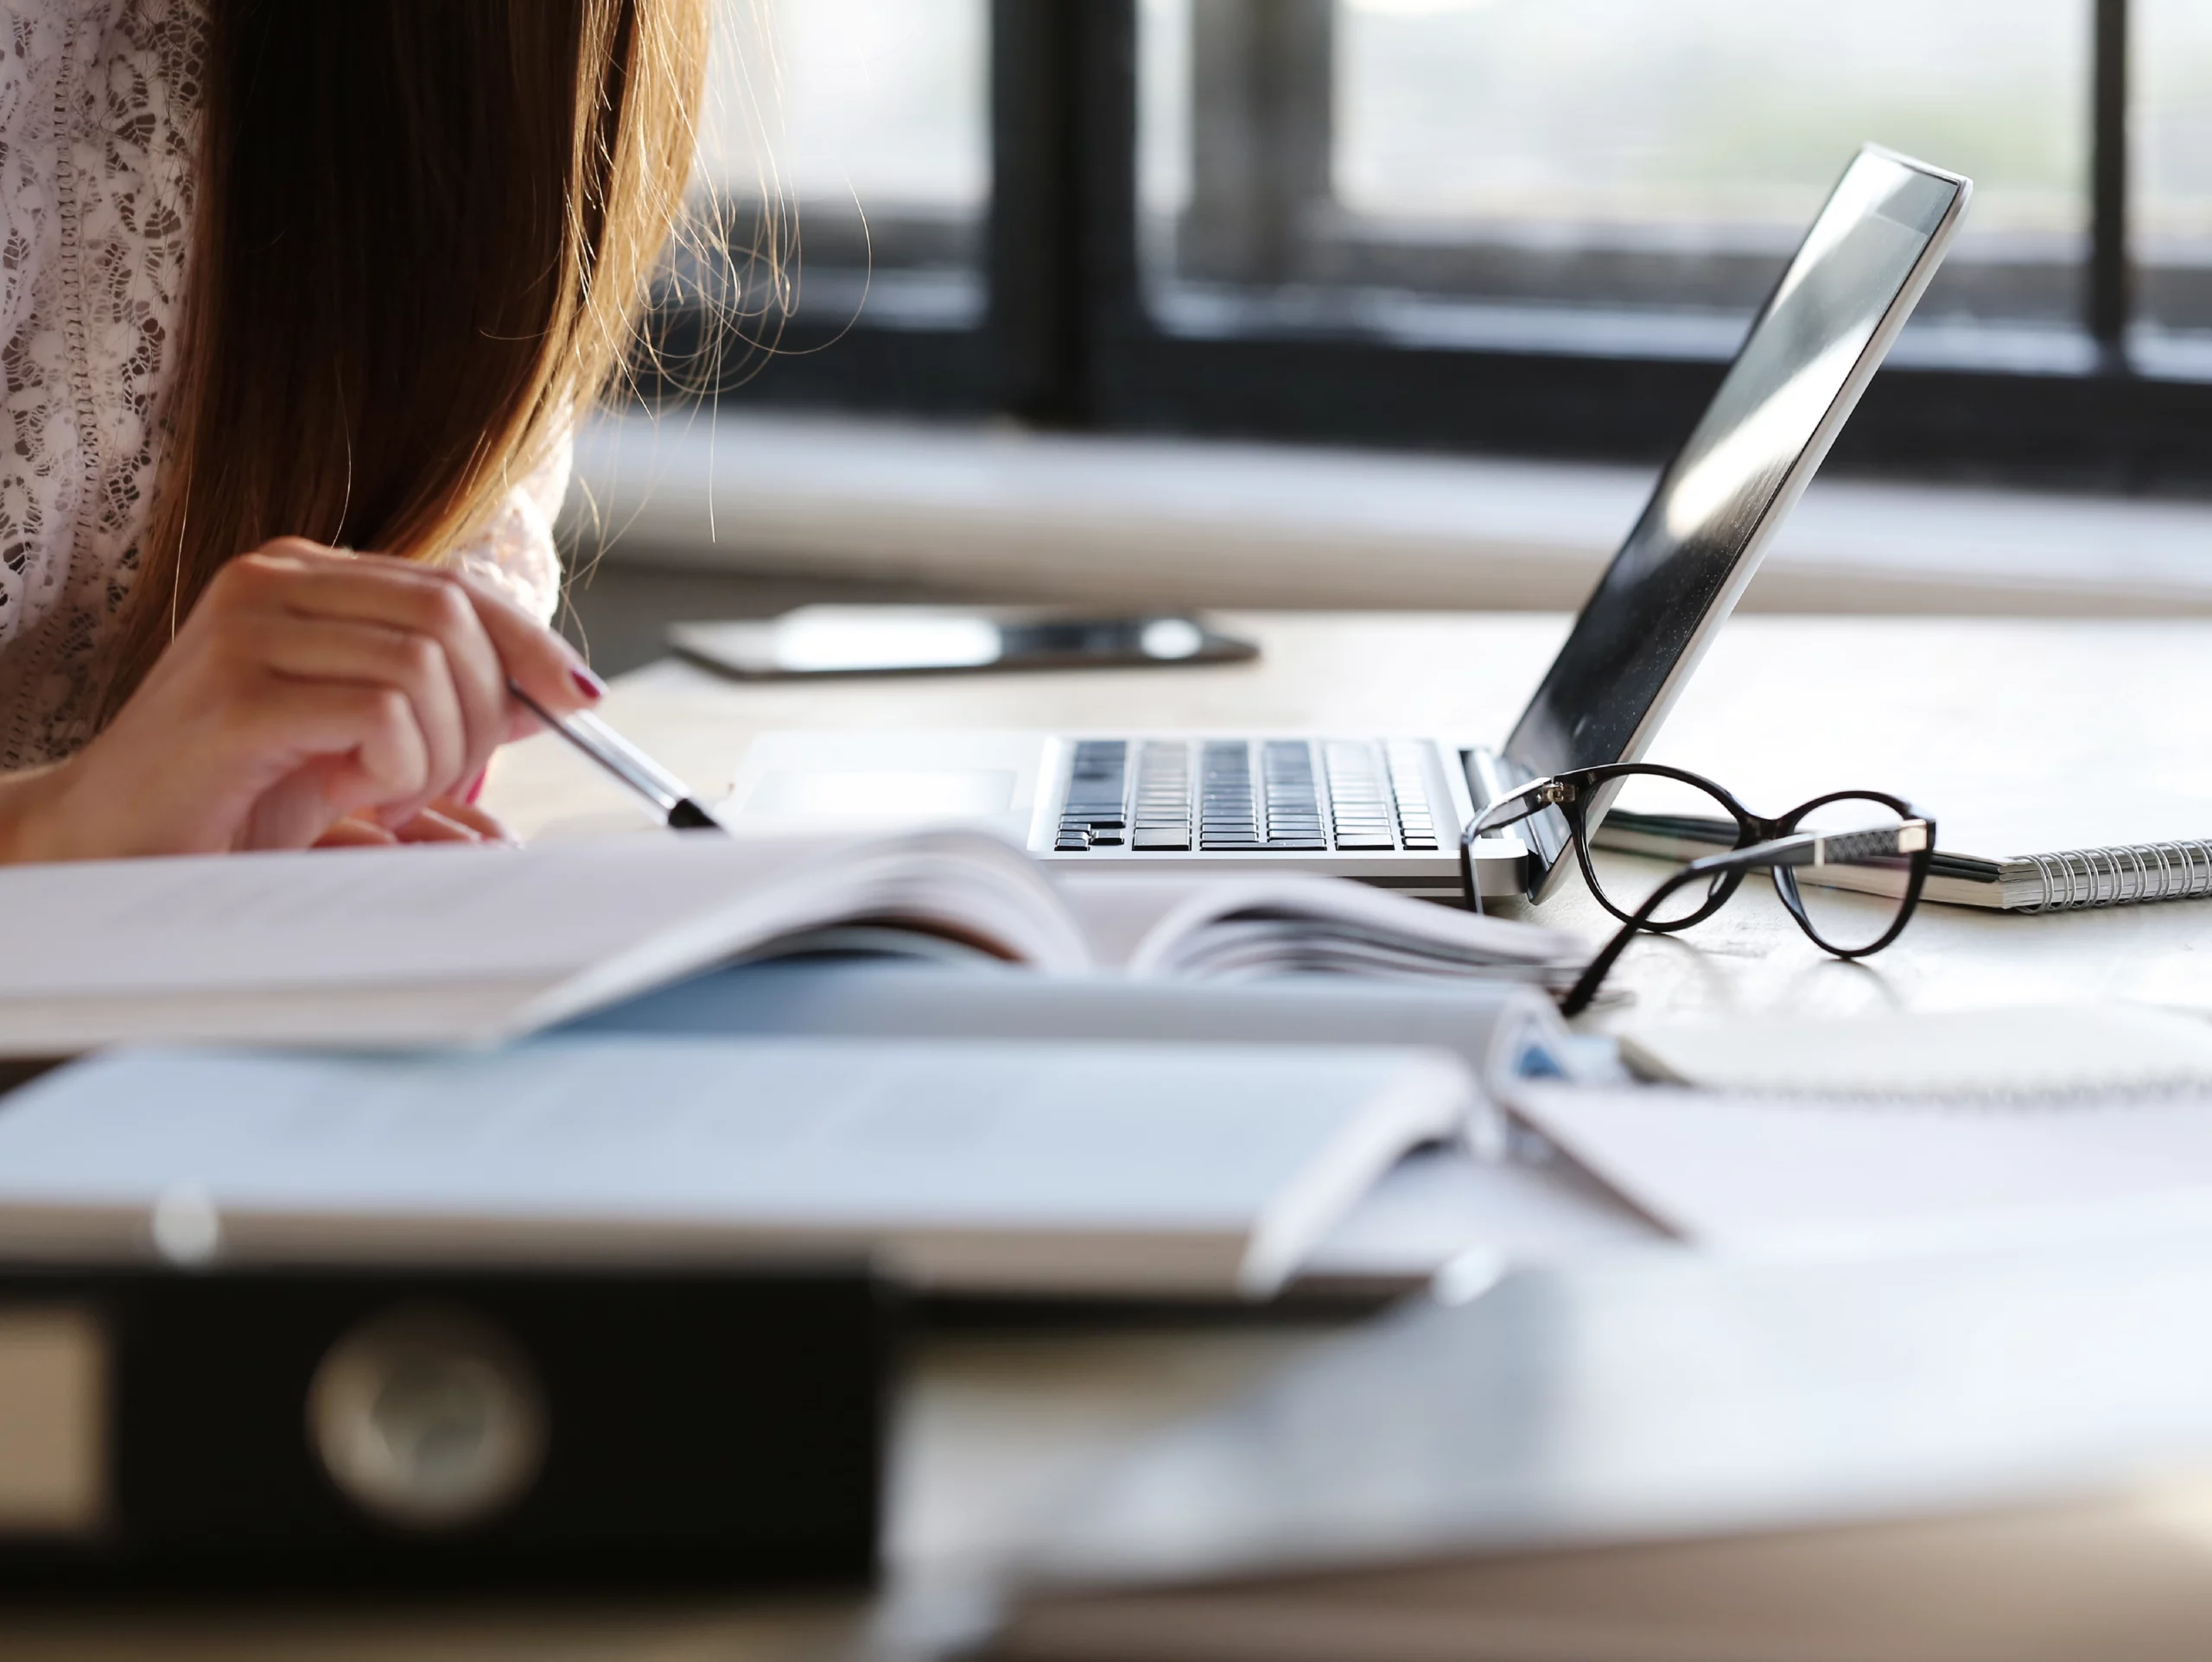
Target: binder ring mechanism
427	1418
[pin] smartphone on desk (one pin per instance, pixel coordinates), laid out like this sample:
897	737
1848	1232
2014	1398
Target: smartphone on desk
895	640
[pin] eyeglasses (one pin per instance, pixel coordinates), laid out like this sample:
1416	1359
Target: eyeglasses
1863	853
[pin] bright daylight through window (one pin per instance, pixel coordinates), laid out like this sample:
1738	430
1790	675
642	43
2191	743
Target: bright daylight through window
1509	172
2173	180
863	127
1534	225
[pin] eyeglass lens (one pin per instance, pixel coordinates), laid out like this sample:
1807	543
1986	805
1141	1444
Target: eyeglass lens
1851	901
1655	827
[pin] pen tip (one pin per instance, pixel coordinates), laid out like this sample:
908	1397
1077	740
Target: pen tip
688	816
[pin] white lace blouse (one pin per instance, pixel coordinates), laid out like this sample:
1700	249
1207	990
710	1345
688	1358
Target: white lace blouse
98	118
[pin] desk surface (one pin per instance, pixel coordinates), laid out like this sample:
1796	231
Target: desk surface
1981	714
2050	733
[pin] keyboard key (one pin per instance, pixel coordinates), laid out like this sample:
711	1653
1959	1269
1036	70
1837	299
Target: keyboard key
1163	796
1097	781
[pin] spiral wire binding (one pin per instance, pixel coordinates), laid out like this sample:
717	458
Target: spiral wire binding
2122	876
2176	1090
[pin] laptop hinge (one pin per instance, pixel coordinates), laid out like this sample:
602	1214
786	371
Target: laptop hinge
1489	776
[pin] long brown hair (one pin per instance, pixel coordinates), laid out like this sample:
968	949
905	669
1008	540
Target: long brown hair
424	231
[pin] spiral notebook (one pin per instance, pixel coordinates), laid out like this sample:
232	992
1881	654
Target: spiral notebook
2121	874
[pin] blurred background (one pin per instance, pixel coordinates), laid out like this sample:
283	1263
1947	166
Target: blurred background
979	282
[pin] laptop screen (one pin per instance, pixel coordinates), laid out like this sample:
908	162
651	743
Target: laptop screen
1810	352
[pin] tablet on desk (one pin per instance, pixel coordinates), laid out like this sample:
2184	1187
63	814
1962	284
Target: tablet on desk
851	640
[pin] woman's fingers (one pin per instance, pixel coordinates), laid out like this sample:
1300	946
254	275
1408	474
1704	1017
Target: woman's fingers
446	820
354	832
314	697
537	660
302	581
379	654
359	746
487	827
443	820
492	641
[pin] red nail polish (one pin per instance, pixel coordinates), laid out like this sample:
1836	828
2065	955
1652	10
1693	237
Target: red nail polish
587	684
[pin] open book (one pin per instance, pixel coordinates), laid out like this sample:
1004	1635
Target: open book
981	1166
460	946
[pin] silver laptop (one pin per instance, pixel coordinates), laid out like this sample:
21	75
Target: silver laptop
1388	807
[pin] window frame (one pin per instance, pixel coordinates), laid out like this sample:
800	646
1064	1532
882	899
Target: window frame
1067	339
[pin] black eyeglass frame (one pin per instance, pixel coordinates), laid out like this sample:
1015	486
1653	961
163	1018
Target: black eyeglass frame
1777	846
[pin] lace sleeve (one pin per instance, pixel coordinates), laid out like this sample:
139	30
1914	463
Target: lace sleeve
515	552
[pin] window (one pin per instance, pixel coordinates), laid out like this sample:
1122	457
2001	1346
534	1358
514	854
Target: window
871	113
1534	224
1514	171
845	184
2173	183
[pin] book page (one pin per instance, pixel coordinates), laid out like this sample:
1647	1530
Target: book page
336	917
1160	925
445	915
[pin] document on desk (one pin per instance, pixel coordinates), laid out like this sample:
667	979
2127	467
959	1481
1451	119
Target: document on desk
1156	1170
1957	1459
456	946
1771	1171
2021	1054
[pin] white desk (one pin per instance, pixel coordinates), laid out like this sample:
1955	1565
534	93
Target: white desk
1982	722
1935	709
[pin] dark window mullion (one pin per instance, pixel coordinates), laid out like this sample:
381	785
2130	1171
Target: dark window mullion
1034	315
1106	285
2110	307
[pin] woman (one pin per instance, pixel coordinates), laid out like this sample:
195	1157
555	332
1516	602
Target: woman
279	280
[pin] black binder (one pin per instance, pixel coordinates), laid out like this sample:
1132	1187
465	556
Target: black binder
420	1429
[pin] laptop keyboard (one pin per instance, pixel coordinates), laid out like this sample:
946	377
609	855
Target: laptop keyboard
1235	795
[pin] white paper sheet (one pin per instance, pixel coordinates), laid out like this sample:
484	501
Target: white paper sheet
1760	1172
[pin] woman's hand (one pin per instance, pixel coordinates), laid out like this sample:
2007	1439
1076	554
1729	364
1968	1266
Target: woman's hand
311	695
443	820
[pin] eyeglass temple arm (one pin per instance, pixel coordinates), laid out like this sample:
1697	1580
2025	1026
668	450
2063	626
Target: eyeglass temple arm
1594	972
1805	848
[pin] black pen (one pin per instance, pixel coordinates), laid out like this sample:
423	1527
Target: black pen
667	793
